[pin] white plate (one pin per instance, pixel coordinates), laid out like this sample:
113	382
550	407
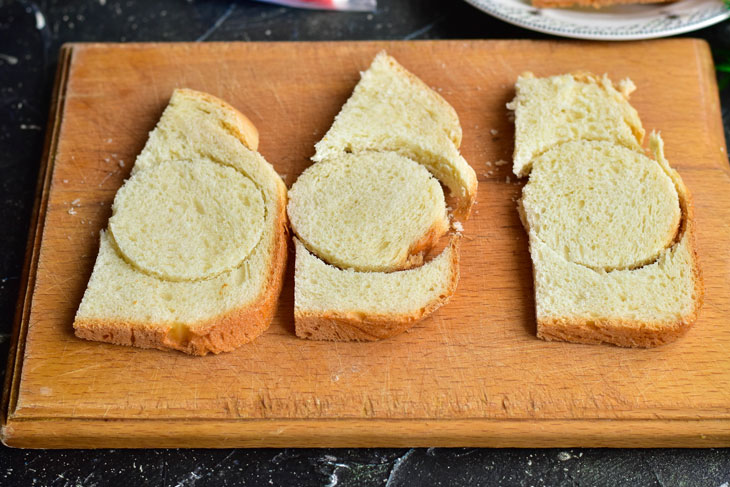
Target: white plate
619	23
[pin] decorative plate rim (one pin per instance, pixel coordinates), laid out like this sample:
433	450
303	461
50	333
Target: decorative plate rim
516	16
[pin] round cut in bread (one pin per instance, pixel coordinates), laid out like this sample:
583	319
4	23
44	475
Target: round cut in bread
391	109
601	205
369	211
187	220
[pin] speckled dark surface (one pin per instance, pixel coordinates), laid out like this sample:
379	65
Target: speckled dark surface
30	36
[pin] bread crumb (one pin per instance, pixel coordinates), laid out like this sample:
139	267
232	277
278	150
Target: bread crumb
494	131
501	162
105	178
457	226
507	180
625	87
106	159
108	141
121	163
76	202
65	181
489	164
72	211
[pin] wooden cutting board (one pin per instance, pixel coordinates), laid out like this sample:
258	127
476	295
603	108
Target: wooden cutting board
472	374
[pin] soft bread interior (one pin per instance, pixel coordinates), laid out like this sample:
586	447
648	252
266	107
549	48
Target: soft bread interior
336	304
118	291
187	220
566	107
368	211
601	205
392	110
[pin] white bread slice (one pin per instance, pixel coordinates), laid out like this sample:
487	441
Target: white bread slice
575	106
128	306
601	205
642	307
340	305
390	109
368	211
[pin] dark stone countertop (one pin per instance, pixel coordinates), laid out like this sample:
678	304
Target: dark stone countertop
30	36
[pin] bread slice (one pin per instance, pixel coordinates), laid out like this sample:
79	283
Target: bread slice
336	304
368	211
601	205
370	206
549	111
210	303
392	110
641	307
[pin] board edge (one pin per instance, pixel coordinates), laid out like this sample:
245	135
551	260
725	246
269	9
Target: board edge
35	233
370	433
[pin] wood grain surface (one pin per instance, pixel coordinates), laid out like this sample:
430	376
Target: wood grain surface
472	374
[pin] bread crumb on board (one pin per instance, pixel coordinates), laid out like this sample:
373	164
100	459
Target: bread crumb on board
457	226
73	205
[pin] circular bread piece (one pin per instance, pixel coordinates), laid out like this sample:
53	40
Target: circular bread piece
187	220
601	205
368	211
